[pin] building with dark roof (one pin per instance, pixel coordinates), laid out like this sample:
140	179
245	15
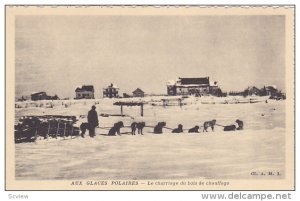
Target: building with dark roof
189	86
138	93
39	96
42	96
252	91
271	90
85	92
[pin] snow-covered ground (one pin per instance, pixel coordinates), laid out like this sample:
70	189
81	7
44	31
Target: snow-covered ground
229	155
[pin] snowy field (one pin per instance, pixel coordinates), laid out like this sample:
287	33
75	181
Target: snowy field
213	155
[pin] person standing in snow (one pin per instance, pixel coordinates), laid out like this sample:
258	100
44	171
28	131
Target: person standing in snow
92	121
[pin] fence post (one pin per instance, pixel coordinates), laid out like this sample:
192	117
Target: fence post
121	109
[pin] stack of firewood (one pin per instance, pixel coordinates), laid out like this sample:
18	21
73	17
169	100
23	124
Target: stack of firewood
30	128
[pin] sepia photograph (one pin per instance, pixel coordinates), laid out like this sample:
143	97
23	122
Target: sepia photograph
150	98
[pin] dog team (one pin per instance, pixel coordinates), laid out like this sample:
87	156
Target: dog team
158	129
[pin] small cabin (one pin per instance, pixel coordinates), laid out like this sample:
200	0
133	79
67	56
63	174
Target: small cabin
138	93
253	91
271	91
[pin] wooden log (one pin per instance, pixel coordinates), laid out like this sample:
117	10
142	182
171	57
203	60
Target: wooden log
64	134
72	131
48	132
57	129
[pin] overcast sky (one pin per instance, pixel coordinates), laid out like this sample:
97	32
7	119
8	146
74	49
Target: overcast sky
58	53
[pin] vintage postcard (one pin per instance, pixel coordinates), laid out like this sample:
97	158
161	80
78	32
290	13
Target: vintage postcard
150	98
